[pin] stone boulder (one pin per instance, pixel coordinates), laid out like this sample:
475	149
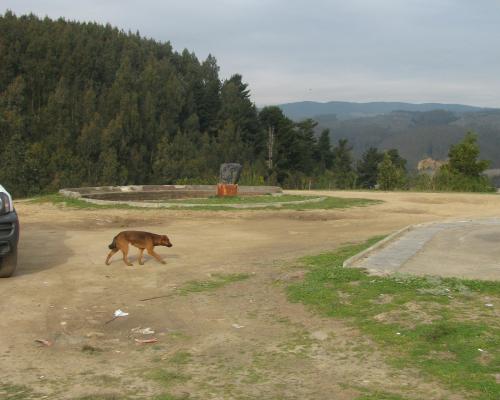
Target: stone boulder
230	173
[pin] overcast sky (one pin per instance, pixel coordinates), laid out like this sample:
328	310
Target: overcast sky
352	50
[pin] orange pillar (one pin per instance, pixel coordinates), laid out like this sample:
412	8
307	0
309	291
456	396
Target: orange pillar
227	190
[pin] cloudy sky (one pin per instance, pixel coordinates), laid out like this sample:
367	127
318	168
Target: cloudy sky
292	50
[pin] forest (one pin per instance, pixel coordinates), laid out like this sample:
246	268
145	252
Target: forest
83	104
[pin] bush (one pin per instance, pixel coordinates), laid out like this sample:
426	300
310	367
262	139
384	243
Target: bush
390	176
446	181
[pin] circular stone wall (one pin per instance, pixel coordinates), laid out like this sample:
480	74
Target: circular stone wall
157	193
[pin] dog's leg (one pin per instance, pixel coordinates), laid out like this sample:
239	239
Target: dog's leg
141	251
125	255
111	253
151	252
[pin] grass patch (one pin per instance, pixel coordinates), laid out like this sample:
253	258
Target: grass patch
111	396
16	392
167	396
59	199
217	281
299	343
326	204
435	324
164	396
181	357
107	380
268	198
218	204
88	349
331	203
380	396
167	378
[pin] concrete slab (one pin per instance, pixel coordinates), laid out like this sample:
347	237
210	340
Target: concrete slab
465	249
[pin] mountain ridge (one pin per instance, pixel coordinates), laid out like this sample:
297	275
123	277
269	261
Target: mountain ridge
347	110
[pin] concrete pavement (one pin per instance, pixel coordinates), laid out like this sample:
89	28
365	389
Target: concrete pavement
465	249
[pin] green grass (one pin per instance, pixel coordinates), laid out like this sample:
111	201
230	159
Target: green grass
326	204
157	375
111	396
244	199
181	357
380	396
434	324
218	204
16	392
331	203
167	378
58	199
167	396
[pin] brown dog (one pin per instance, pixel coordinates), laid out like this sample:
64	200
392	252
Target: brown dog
141	240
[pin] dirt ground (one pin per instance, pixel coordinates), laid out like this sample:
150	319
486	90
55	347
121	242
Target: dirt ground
240	341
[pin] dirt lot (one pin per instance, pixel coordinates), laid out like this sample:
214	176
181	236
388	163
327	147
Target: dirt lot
243	340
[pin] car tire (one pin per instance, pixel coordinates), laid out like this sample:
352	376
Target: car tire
8	264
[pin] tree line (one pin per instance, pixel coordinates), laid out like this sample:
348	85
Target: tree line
83	104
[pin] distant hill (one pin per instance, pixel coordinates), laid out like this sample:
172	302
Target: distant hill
418	134
416	130
347	110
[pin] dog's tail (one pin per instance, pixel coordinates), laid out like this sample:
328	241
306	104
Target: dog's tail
112	246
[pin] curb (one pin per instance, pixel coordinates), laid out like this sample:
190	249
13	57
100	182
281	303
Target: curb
379	245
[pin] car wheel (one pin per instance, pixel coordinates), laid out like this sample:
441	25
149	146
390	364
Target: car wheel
8	264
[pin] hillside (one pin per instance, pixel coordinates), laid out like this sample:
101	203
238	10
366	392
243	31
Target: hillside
83	104
418	134
347	110
88	104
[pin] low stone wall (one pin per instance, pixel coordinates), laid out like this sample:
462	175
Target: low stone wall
156	193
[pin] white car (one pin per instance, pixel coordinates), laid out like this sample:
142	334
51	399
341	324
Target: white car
9	234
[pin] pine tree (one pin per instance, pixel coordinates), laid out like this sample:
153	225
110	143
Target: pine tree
110	168
396	159
367	168
237	107
342	165
464	157
13	171
324	154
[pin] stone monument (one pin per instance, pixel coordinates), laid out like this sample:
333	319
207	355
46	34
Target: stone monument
228	179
